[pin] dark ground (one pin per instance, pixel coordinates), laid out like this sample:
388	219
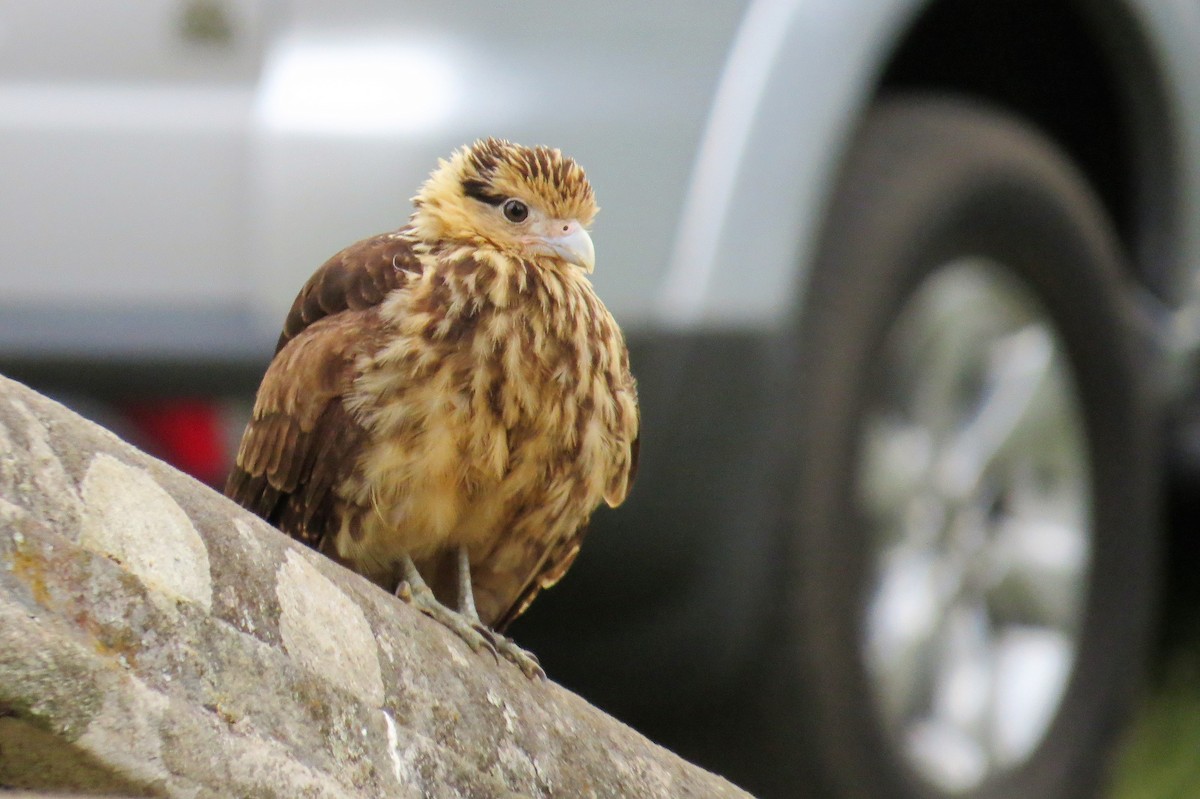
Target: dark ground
1161	757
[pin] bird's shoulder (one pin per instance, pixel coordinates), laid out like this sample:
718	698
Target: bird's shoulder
356	278
297	443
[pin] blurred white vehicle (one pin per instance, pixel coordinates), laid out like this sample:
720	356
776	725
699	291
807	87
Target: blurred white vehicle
912	290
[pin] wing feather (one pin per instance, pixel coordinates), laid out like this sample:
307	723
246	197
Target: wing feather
557	557
355	279
557	560
310	375
301	440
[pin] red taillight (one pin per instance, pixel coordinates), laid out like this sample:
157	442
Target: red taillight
186	433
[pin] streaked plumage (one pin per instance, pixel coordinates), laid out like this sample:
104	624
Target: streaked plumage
455	383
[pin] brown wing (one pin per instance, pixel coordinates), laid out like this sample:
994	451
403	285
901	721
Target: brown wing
635	453
621	481
557	561
357	278
560	556
300	442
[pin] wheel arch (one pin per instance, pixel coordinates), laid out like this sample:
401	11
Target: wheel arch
775	137
1086	74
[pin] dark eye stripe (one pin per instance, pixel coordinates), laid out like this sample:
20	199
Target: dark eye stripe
478	190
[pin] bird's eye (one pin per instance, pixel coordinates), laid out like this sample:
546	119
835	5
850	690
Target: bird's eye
515	211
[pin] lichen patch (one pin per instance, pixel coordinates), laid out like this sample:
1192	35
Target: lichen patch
47	475
128	517
127	732
325	631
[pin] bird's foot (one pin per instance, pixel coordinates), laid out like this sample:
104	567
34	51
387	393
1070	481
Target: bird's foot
523	659
472	632
478	637
465	622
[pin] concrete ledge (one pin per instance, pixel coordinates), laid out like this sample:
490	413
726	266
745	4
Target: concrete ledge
157	640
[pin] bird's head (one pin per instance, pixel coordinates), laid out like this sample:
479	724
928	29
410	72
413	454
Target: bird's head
529	202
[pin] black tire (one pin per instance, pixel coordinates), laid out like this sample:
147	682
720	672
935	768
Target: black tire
927	181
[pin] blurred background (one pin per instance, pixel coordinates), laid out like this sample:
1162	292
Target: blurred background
910	288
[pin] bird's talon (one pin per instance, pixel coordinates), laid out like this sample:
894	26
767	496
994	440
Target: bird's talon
526	661
485	642
489	640
471	632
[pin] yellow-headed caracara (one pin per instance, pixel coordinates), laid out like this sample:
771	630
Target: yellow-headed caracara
449	403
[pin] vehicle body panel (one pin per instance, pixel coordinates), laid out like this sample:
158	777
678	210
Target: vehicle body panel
176	189
774	140
765	166
169	181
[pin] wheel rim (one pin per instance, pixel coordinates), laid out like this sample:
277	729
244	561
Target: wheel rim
973	481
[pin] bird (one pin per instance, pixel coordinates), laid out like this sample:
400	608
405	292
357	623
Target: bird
449	402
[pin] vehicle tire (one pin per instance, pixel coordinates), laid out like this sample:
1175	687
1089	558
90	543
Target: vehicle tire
969	548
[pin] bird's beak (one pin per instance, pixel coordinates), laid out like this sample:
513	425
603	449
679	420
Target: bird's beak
574	247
